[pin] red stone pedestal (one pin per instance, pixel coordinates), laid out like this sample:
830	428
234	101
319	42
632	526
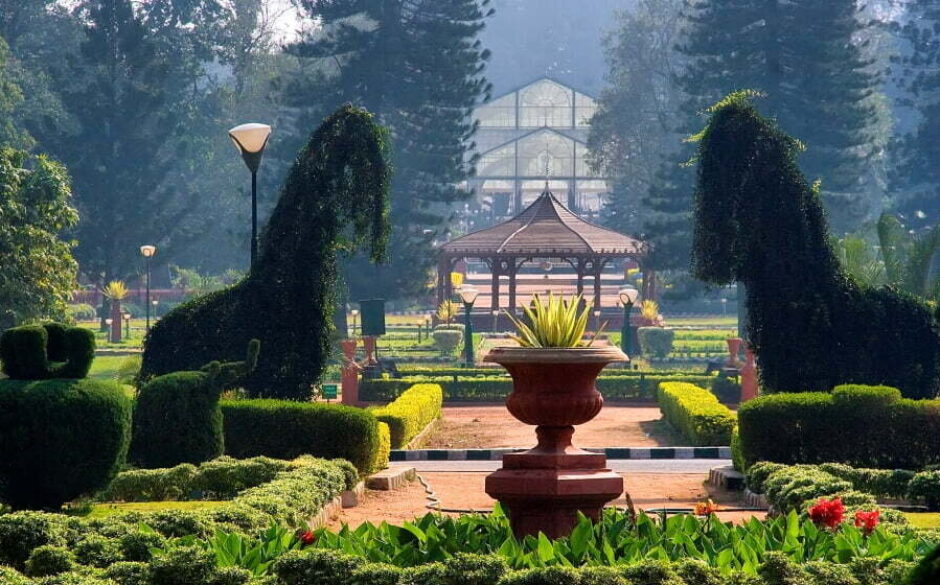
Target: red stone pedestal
544	488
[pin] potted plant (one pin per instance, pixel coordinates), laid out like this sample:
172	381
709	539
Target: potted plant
554	372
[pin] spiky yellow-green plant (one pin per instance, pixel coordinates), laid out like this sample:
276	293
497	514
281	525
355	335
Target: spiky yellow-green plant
447	311
559	322
115	290
649	310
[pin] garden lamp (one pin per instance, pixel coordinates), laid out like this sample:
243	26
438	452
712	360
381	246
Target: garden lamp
354	313
628	296
250	140
468	294
148	252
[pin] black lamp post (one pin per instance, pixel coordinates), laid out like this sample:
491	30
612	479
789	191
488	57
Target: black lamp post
628	296
250	139
147	252
468	294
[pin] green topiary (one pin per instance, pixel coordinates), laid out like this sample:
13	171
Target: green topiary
760	223
42	352
177	420
928	571
340	179
655	341
60	439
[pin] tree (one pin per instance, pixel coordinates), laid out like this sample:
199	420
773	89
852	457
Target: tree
419	66
759	222
37	275
335	199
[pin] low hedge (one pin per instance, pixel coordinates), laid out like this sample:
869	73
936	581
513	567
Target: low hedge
860	426
60	439
488	389
696	413
285	430
411	412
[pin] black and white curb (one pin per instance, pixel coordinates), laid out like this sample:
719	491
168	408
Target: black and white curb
611	453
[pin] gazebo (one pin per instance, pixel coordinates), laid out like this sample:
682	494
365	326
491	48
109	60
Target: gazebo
546	229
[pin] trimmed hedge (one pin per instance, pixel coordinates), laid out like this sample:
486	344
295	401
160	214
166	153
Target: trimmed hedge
862	426
411	412
655	342
177	419
284	430
696	413
60	439
43	352
479	389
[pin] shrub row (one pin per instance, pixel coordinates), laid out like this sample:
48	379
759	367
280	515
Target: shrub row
285	430
696	413
411	412
790	486
862	426
627	387
290	499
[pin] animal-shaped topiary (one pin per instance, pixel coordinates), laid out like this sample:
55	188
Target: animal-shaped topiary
335	198
759	222
177	418
43	352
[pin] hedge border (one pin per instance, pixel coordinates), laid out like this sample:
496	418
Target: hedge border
696	413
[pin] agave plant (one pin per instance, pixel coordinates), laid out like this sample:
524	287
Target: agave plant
115	290
559	322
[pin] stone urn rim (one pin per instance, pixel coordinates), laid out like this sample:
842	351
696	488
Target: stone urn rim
555	355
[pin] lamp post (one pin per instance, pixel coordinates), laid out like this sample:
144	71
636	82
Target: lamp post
250	140
495	319
597	319
354	313
127	325
108	322
468	294
628	296
147	252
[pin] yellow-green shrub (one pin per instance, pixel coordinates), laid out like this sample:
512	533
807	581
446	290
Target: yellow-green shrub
411	412
696	413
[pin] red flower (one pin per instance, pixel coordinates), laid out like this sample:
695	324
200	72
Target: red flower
307	537
827	513
867	520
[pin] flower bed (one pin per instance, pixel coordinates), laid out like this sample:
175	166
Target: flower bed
411	412
696	413
875	428
496	389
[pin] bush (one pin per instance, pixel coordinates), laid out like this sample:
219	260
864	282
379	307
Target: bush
655	341
696	413
23	532
926	486
49	560
875	428
60	439
928	571
286	430
447	340
82	312
411	412
152	485
43	352
727	389
177	420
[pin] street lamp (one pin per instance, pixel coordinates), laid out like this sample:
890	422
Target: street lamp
597	319
127	325
628	296
108	322
147	252
354	313
468	294
495	319
250	140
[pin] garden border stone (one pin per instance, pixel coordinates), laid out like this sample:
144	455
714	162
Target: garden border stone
615	453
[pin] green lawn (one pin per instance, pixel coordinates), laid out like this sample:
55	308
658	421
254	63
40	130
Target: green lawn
923	519
112	509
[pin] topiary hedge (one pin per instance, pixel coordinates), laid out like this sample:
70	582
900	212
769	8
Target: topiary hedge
285	429
496	389
857	425
60	439
655	342
411	412
696	413
43	352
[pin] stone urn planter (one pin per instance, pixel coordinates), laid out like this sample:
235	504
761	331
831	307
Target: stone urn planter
544	488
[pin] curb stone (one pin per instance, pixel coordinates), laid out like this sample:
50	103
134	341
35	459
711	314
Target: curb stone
614	453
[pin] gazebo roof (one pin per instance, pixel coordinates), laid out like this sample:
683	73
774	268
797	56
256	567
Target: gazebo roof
546	229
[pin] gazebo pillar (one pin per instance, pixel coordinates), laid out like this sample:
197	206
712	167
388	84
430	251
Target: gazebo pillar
579	268
495	269
513	268
597	265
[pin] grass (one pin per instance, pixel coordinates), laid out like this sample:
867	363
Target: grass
114	509
923	519
118	368
717	321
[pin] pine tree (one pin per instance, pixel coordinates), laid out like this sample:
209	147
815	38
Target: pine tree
419	66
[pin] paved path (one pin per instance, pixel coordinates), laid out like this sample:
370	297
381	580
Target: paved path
624	466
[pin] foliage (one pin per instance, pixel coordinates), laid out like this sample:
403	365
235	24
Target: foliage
33	352
927	571
909	258
285	430
876	429
656	341
649	310
37	276
447	311
558	322
410	413
613	541
860	261
726	389
496	389
420	68
60	439
339	179
115	290
82	312
696	413
759	223
447	340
